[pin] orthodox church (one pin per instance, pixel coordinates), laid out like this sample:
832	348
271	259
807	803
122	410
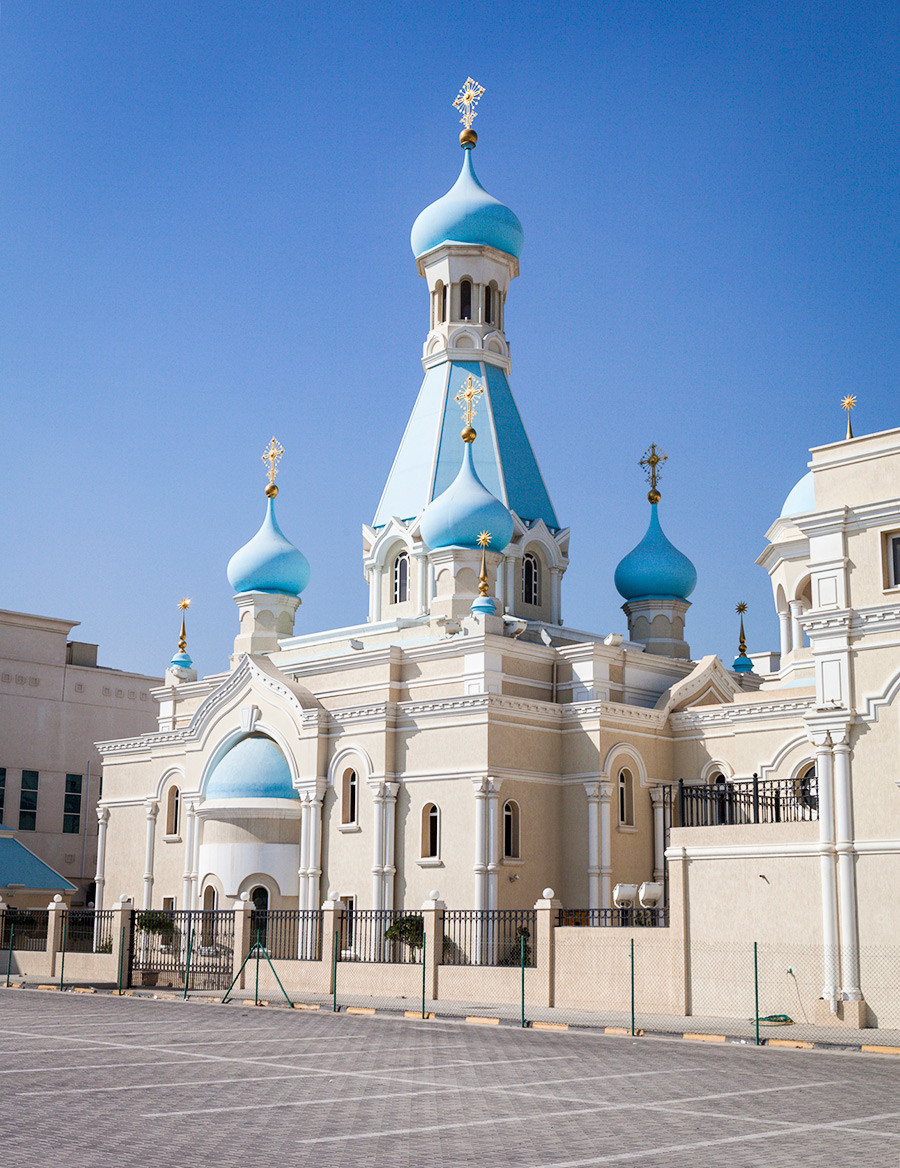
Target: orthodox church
464	739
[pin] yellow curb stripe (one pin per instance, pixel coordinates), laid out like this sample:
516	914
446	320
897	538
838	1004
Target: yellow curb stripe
549	1025
46	987
793	1043
83	990
304	1006
615	1030
482	1021
704	1037
881	1049
360	1010
417	1014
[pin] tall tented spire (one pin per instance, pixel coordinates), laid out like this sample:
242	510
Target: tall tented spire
467	246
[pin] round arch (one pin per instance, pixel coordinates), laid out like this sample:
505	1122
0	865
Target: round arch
626	750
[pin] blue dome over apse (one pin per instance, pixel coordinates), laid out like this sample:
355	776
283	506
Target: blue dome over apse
269	562
655	568
801	499
467	214
254	768
458	516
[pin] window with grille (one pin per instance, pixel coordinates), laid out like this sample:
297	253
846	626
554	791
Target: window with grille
531	579
72	805
626	799
349	797
401	578
431	821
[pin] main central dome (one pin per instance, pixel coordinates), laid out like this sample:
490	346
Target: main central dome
467	214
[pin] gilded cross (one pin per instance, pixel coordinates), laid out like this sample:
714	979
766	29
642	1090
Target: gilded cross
273	456
471	390
184	605
651	462
467	99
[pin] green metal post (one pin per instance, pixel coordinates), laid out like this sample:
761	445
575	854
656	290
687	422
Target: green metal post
334	955
423	973
632	987
522	963
121	956
12	929
756	990
256	994
62	960
187	969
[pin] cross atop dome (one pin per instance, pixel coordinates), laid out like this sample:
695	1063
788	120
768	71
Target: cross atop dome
466	100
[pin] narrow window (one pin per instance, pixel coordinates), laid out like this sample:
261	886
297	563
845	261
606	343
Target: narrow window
209	899
208	921
443	303
28	801
173	811
531	579
511	830
168	904
489	305
465	300
349	797
895	561
401	578
349	920
2	790
806	790
440	302
626	799
430	832
72	805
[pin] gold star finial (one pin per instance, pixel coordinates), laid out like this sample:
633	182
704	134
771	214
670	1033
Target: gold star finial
847	404
184	605
484	540
272	456
470	392
651	462
741	608
466	100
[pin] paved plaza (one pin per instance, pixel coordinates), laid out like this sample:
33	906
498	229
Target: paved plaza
97	1080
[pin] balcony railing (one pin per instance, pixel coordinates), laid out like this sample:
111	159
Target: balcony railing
750	801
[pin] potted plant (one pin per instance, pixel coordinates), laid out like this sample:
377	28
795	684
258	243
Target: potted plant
408	931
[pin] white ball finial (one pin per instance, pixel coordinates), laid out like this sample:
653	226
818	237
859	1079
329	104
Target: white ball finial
245	896
434	894
548	894
332	894
57	899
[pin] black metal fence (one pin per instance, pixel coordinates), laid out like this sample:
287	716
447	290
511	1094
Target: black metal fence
489	937
88	931
381	935
26	928
168	947
750	801
288	934
613	917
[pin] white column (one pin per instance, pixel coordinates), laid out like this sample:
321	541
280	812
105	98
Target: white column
825	785
190	827
509	590
422	580
493	843
378	848
657	796
314	862
195	861
389	868
375	595
846	873
303	870
606	794
152	808
100	875
556	596
592	790
796	607
784	629
481	851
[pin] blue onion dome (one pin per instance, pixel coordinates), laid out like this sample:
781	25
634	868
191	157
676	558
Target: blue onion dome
269	562
466	509
801	499
467	214
655	568
181	660
254	768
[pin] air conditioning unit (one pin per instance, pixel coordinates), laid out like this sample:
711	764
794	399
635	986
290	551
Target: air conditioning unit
624	895
650	894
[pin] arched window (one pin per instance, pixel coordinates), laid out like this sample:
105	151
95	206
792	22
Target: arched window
465	300
209	899
431	832
531	579
626	799
173	811
443	303
208	921
400	590
510	830
349	797
806	790
440	301
489	305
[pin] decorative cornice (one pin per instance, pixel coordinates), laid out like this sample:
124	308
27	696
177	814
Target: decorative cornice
742	712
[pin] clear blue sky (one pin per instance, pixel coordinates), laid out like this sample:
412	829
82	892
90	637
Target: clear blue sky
206	210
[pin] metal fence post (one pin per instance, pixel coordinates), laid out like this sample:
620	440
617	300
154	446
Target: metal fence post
187	968
424	941
62	958
632	986
756	990
755	797
522	963
121	958
256	990
334	957
12	929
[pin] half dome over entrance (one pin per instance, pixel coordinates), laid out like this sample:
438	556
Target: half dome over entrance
254	768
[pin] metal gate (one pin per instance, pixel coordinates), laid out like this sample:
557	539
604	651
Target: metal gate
168	947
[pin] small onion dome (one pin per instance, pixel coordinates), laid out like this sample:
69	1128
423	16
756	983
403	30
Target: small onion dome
467	214
655	568
483	604
269	562
254	768
801	499
181	660
466	509
742	664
